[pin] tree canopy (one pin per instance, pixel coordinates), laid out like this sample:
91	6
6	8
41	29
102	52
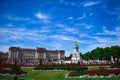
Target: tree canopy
103	53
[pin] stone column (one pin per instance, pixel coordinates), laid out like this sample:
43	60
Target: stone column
36	56
17	54
58	56
51	60
44	56
12	56
9	56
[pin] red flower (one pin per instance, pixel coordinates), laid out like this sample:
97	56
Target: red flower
4	71
91	72
113	71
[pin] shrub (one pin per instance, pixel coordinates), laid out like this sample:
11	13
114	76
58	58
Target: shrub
116	66
12	70
15	68
69	68
76	73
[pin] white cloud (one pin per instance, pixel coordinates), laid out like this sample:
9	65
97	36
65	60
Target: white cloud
109	32
91	14
67	29
115	12
115	32
60	25
41	16
83	42
68	38
44	17
70	18
82	17
45	30
84	35
62	37
93	46
15	18
106	42
117	29
8	34
57	45
87	26
109	40
90	3
71	30
70	3
101	41
4	48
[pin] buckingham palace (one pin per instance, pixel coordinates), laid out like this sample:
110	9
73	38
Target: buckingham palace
27	55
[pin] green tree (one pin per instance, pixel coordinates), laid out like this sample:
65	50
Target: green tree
40	62
103	53
69	57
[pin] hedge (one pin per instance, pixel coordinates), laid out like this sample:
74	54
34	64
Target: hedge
69	68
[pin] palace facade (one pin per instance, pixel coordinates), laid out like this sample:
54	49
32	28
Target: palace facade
26	55
3	57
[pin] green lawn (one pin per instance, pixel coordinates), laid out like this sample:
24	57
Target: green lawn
48	75
96	67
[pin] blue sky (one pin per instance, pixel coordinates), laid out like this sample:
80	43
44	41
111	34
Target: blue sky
55	24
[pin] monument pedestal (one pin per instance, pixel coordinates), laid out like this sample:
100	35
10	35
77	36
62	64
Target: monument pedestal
76	56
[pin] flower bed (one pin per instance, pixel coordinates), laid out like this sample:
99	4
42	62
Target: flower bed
95	72
113	71
11	70
4	71
93	76
91	72
7	65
